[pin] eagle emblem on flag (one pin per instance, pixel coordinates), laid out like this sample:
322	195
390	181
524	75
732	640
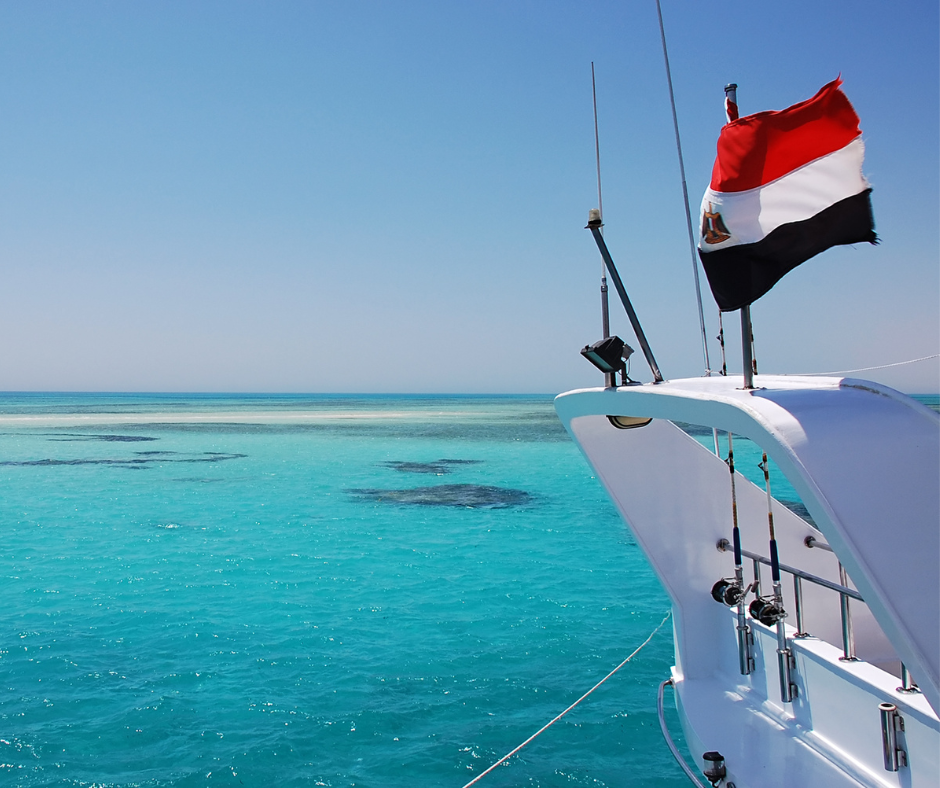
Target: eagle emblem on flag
713	227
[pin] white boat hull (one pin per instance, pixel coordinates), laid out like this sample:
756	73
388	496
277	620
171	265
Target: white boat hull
675	496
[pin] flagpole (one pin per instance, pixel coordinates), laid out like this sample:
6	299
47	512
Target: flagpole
747	331
747	346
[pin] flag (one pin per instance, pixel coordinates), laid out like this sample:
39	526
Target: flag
786	186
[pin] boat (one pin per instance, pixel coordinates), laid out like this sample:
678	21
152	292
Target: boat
807	643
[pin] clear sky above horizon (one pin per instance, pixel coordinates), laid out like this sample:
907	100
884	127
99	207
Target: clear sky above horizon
390	196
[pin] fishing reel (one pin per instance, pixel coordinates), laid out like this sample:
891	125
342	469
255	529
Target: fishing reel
767	611
728	592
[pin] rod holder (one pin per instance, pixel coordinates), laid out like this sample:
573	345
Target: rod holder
892	723
785	660
745	641
788	690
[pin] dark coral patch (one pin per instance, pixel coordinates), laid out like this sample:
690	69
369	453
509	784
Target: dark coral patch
437	467
468	496
72	437
134	464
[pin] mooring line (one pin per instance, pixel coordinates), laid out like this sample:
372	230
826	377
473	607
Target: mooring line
545	727
868	369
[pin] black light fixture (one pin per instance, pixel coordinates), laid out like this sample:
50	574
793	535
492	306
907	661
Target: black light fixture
608	355
715	770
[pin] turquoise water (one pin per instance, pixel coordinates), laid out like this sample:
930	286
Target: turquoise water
213	590
304	591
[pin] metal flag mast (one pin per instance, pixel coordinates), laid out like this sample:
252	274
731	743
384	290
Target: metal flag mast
747	330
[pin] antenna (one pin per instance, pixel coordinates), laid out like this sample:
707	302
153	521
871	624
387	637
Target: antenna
605	307
685	195
597	145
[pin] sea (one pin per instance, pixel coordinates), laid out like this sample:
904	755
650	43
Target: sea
285	590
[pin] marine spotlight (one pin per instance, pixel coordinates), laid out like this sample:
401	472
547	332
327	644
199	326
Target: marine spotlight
609	355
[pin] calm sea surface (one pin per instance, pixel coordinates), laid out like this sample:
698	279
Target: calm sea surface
303	591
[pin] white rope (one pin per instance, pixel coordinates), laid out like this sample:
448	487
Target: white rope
509	755
868	369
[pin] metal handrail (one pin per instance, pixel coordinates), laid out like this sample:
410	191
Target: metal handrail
668	737
844	592
724	545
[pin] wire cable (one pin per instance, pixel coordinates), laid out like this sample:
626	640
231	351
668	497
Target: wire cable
868	369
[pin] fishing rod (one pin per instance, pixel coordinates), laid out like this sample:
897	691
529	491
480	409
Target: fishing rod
770	610
733	593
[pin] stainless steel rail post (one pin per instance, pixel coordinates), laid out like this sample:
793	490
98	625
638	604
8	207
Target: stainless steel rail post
908	685
848	633
798	605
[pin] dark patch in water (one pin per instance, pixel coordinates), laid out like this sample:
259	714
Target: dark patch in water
799	509
468	496
155	453
73	437
695	430
133	464
520	428
437	467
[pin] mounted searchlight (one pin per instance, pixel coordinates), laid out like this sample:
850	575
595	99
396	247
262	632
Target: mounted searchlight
608	355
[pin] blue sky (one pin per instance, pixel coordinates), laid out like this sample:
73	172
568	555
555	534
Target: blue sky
390	196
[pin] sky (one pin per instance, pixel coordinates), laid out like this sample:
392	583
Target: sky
390	196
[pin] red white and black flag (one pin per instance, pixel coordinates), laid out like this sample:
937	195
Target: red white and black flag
786	186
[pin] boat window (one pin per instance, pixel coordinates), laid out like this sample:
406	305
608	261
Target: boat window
628	422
